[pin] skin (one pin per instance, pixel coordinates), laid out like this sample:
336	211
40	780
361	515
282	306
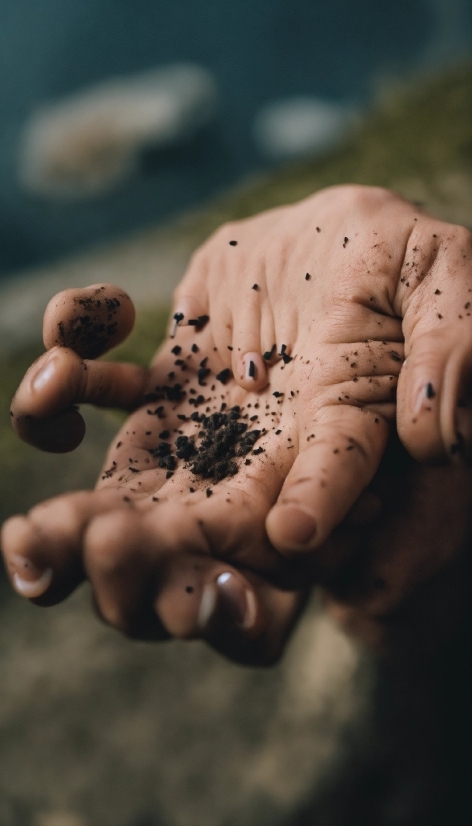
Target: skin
385	280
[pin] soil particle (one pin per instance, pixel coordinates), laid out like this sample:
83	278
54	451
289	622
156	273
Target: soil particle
202	374
224	375
268	355
200	322
91	329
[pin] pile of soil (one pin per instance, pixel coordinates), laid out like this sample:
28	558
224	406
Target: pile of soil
212	452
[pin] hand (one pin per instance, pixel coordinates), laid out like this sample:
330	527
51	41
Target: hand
359	266
408	583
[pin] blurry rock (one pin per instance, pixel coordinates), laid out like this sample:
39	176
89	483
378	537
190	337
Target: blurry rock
299	126
88	142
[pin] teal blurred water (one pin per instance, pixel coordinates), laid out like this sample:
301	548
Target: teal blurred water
257	50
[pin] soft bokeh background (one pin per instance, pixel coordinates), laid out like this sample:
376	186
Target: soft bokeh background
99	731
258	51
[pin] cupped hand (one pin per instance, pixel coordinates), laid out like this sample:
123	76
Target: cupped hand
350	264
174	535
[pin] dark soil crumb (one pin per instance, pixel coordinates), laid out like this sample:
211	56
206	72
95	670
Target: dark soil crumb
430	391
269	353
213	451
233	243
194	348
223	438
176	350
202	374
90	331
224	375
200	322
307	276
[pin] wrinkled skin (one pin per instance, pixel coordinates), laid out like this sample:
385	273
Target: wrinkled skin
385	280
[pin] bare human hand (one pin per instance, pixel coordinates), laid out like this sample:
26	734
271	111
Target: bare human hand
336	405
355	265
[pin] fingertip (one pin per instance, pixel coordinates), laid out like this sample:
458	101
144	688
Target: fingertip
188	311
292	529
58	434
434	397
250	370
90	321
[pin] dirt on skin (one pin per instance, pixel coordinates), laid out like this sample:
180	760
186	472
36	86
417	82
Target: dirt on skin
106	732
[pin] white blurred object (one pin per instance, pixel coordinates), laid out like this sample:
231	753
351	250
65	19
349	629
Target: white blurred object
86	143
299	126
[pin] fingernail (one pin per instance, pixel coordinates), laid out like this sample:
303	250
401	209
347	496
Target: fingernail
251	366
424	397
297	526
44	375
28	580
177	319
238	602
207	605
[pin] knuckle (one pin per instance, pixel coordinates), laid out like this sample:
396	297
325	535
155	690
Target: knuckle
106	546
364	198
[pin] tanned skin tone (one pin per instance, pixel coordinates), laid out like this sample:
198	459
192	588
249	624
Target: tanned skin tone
301	319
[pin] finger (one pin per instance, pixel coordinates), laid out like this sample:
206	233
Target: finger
191	299
42	549
249	366
146	590
90	321
123	573
435	299
42	410
435	396
327	477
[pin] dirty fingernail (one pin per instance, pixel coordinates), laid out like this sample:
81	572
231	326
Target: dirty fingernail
250	366
28	580
237	601
424	397
207	606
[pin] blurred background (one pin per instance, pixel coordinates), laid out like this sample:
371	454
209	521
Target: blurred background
287	78
128	133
